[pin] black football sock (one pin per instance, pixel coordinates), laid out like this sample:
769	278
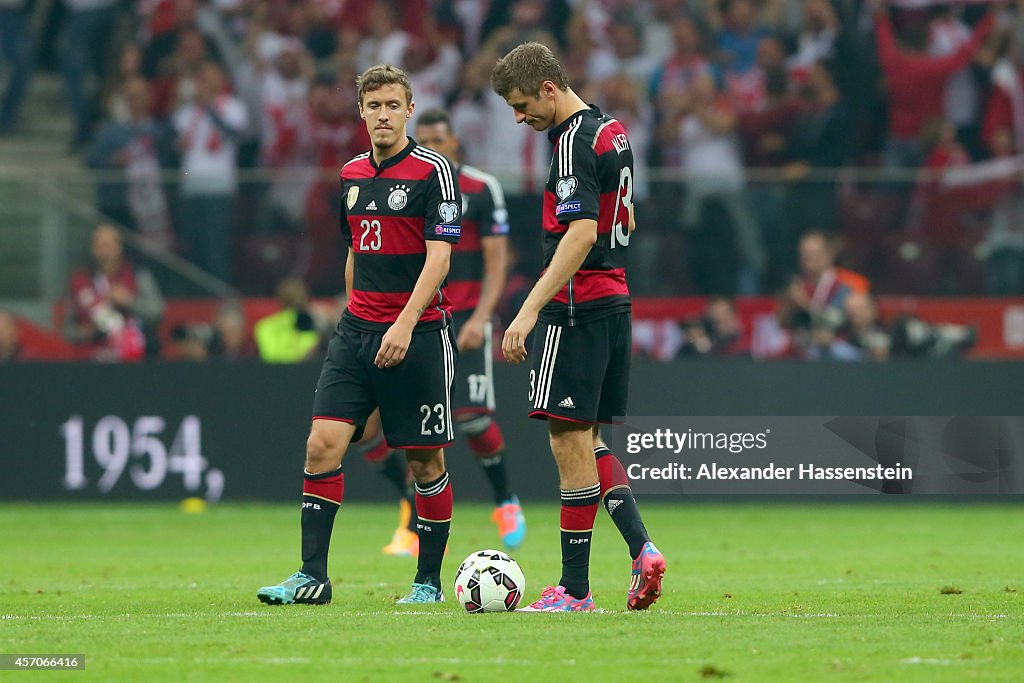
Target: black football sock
496	473
434	513
619	501
392	465
321	497
395	469
488	445
579	509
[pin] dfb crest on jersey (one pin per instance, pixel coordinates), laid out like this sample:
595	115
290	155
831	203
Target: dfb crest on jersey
449	211
353	195
398	198
565	187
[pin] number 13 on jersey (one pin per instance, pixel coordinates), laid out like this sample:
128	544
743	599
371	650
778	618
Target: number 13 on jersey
623	209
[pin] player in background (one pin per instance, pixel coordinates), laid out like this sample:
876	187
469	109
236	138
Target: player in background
475	284
581	306
393	348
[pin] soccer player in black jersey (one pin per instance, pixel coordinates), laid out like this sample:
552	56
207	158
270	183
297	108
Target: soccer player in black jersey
393	348
476	280
581	352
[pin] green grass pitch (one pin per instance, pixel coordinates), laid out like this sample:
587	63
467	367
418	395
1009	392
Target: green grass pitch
754	592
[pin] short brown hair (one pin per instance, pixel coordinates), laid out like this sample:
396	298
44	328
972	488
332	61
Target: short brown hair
526	68
383	74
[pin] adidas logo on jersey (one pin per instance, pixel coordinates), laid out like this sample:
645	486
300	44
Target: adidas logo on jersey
613	504
372	206
567	403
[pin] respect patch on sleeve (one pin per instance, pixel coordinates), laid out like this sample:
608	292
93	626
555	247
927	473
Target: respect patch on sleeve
568	207
448	230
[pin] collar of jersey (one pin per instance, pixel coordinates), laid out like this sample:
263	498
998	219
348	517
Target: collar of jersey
560	128
391	161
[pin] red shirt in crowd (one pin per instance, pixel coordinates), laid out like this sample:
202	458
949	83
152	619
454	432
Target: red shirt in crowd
917	82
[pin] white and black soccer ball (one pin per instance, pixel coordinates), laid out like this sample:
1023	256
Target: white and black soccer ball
489	581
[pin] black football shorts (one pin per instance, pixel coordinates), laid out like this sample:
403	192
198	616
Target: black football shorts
581	373
473	391
414	397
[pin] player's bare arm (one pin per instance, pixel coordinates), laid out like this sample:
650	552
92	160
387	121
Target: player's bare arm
495	251
395	343
569	256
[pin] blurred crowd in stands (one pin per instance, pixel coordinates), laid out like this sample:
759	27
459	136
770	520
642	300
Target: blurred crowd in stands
743	115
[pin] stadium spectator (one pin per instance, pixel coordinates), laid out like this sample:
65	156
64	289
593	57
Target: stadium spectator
713	164
738	38
129	66
176	82
718	332
291	335
172	23
916	82
209	132
224	338
816	40
114	306
284	97
139	146
670	86
819	292
961	106
626	39
87	31
588	58
526	20
817	149
766	133
431	63
333	135
1002	128
11	350
386	42
862	330
16	43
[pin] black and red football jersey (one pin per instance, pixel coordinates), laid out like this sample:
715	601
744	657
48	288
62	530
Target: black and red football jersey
388	213
591	177
483	215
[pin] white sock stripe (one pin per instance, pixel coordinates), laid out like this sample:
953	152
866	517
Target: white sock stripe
435	488
590	491
551	365
566	496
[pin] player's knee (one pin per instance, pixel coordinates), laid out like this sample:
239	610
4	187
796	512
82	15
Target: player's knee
425	465
322	452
